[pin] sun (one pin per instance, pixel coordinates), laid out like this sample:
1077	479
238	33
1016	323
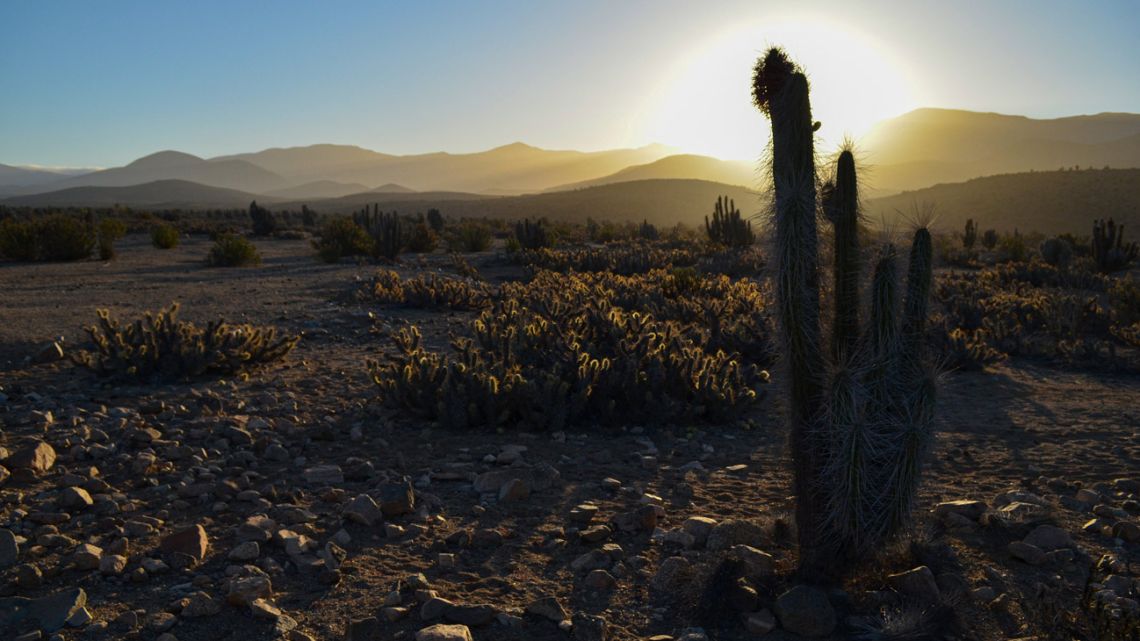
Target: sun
704	105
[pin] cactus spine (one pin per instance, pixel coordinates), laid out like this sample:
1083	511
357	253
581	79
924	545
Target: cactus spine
860	415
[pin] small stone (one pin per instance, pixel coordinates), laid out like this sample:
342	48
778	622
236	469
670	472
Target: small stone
1126	531
595	534
200	604
600	581
699	528
9	549
262	609
1027	552
247	551
243	591
397	498
363	510
756	562
514	490
37	458
761	622
733	532
972	510
672	573
324	475
161	621
53	611
548	608
592	560
191	541
471	615
75	498
805	611
1049	537
112	564
918	583
589	627
583	514
444	632
362	630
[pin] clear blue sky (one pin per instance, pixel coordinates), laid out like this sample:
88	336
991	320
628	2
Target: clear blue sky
101	83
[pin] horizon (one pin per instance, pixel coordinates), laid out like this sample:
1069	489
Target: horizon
119	85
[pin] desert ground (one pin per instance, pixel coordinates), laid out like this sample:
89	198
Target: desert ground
309	528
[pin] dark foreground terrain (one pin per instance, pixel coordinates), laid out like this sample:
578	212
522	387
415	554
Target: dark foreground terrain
291	506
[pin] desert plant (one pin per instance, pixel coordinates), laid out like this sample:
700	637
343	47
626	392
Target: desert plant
1013	247
385	231
426	291
533	236
19	240
232	250
860	423
435	220
341	237
264	222
161	346
64	238
1109	250
647	231
422	240
470	236
164	236
727	227
970	235
1057	252
990	239
460	265
108	231
308	217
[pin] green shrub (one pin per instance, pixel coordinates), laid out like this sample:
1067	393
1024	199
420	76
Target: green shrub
1013	248
232	250
63	238
164	236
109	230
1124	301
422	240
341	237
161	346
470	236
18	240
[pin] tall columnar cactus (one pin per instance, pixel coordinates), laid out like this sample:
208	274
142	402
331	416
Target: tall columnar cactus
727	227
970	235
1109	250
533	236
264	222
860	413
384	229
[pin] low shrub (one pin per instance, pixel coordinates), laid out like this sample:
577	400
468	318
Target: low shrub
56	237
108	231
342	237
469	237
231	250
422	240
164	236
161	346
19	240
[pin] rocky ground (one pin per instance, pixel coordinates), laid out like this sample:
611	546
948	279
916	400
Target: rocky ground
290	505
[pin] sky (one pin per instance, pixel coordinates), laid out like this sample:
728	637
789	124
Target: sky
99	84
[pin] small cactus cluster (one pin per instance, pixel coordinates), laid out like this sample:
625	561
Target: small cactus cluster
861	405
647	231
970	235
726	227
534	235
264	222
159	346
990	239
567	350
385	229
425	291
1109	250
1056	252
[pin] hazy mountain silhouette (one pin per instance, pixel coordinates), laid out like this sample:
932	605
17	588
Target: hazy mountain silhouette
393	188
683	166
318	189
19	179
175	165
1052	202
929	146
158	194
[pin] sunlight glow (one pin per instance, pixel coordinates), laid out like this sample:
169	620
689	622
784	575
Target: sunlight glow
705	104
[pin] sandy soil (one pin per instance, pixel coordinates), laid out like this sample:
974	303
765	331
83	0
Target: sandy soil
1019	426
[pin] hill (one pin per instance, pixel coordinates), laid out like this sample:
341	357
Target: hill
929	146
318	189
1051	202
662	202
158	194
175	165
680	166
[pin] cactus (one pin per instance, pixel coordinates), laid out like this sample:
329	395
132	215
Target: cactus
970	236
1109	250
648	231
532	236
264	223
1057	252
727	227
384	229
990	239
860	417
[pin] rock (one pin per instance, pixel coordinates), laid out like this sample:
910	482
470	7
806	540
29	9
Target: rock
918	583
49	613
672	573
363	630
112	564
200	604
972	510
247	551
600	581
4	475
471	615
191	541
161	621
514	490
589	627
805	611
549	608
9	549
75	497
444	632
699	528
397	498
595	534
1127	531
244	590
756	562
434	608
258	528
1049	537
265	610
1027	552
742	596
324	475
592	560
733	532
761	622
363	510
583	514
36	458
